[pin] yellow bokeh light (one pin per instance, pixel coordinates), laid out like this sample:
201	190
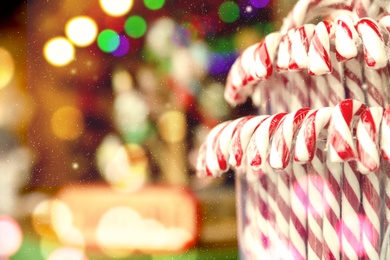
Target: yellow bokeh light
81	30
41	219
116	7
67	123
172	126
59	51
6	67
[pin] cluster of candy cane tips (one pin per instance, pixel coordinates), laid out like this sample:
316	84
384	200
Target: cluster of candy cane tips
351	131
308	47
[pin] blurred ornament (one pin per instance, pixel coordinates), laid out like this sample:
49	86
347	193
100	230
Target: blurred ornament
122	81
15	166
229	11
7	67
10	236
181	36
172	126
138	134
181	68
109	145
67	123
108	40
199	53
135	26
154	4
81	30
130	110
159	37
124	167
59	51
116	7
212	102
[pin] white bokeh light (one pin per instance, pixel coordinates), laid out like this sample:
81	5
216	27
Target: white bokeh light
59	51
116	7
81	30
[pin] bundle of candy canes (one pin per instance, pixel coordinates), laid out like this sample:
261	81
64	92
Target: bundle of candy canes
317	166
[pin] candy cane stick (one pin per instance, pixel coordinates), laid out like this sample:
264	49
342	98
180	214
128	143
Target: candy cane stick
345	38
254	64
292	219
206	158
306	151
300	42
241	138
373	43
367	136
307	10
385	148
319	50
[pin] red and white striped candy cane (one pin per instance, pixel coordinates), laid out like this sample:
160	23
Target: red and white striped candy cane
300	42
340	139
373	44
282	142
345	38
222	144
307	136
319	50
241	138
257	149
306	151
385	148
367	137
207	159
307	10
254	63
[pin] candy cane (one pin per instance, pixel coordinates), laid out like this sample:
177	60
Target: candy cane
367	135
319	50
241	138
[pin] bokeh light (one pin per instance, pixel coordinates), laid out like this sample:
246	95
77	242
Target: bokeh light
126	169
66	253
123	48
259	3
172	126
116	7
122	81
59	51
10	236
135	26
159	37
81	30
130	111
124	227
229	11
41	219
7	67
67	123
108	40
154	4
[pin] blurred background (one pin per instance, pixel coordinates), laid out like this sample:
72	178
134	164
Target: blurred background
103	106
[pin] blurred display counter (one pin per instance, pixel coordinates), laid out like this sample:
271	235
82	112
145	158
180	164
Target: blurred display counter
154	222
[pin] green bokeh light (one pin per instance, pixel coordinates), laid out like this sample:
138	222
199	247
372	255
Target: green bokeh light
154	4
135	26
229	12
108	40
